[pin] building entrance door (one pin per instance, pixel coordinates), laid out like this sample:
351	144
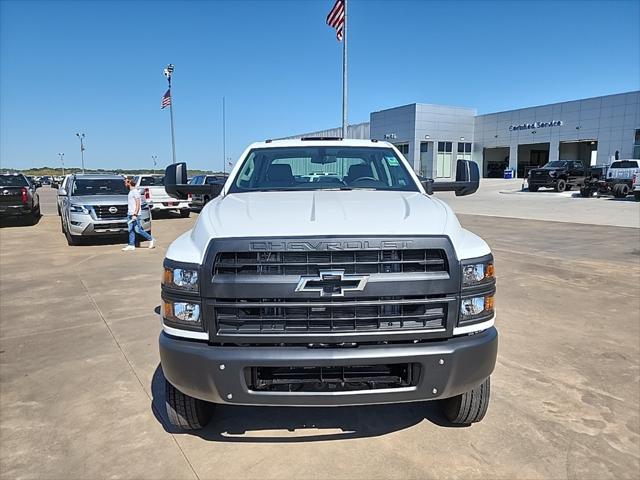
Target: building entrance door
538	158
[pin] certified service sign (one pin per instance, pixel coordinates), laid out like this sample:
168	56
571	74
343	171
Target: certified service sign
530	126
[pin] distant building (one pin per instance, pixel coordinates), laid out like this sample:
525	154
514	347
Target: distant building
433	137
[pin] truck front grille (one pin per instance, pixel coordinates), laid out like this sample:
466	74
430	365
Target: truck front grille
310	263
372	314
334	378
103	213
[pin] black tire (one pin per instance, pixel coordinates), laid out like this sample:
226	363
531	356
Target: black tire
185	213
184	411
470	407
533	188
560	185
636	196
586	192
72	241
622	190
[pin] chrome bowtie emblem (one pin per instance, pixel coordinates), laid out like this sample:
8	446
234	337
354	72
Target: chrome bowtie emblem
332	283
113	210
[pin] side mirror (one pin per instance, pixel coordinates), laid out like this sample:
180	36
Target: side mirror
62	192
467	180
468	177
427	184
176	186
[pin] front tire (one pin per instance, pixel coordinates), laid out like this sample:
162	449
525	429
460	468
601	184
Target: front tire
184	411
560	186
469	407
636	196
185	213
72	240
533	188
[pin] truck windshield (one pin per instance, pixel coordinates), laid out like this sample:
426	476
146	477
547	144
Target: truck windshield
13	181
556	164
107	186
322	168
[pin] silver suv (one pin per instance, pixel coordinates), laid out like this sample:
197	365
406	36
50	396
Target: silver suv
96	205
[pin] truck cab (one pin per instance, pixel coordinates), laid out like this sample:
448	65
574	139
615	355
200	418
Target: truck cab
293	291
151	187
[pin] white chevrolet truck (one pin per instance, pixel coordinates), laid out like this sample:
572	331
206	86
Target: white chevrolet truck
356	288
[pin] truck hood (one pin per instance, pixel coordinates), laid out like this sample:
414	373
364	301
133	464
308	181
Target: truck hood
314	213
99	199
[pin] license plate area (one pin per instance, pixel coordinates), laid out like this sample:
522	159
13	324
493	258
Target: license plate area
344	378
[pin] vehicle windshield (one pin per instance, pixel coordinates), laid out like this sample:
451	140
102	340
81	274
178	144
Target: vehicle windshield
153	181
13	181
323	168
556	164
107	186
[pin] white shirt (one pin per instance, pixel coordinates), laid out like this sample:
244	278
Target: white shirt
134	195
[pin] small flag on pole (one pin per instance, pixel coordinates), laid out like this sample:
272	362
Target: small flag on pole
335	19
166	100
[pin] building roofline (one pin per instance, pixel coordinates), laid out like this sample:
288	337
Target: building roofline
558	103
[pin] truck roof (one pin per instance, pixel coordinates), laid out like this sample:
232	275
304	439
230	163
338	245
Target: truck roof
314	142
98	176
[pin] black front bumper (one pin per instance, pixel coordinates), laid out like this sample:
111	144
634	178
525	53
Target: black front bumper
219	374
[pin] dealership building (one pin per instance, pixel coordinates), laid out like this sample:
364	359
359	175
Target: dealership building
432	137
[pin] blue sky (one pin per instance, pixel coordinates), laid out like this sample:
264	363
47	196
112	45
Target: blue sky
96	67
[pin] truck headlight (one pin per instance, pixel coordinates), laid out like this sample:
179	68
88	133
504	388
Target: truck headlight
475	308
477	273
78	209
185	279
183	313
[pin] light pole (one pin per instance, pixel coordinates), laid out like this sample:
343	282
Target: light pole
168	72
81	138
154	158
61	155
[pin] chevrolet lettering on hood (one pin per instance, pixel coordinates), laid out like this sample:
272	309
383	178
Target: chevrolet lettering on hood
320	245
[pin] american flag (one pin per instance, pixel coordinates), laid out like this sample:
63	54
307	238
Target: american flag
335	19
166	100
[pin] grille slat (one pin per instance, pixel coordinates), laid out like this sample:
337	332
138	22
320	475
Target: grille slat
103	213
260	316
310	263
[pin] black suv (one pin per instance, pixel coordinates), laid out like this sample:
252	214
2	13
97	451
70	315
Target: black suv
560	175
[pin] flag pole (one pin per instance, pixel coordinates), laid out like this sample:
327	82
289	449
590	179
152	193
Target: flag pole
224	139
168	72
344	75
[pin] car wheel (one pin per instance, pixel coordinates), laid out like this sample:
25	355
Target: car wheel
185	213
533	188
469	407
72	240
184	411
636	196
560	186
620	190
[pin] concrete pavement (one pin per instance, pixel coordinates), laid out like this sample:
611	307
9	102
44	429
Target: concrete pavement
81	392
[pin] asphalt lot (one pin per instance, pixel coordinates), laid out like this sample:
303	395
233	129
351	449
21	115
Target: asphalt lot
81	392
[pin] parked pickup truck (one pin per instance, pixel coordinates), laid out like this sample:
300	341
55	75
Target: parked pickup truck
560	175
96	205
152	188
618	181
294	292
200	200
18	198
